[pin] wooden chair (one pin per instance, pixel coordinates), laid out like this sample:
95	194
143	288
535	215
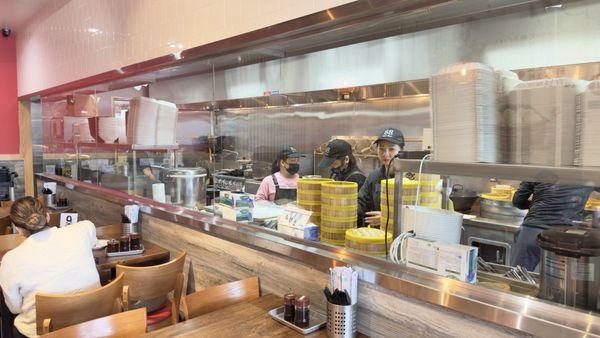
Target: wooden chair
5	225
151	282
109	231
6	204
220	296
56	311
9	242
124	324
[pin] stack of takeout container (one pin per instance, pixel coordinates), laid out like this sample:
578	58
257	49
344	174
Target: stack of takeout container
465	113
151	122
542	122
587	148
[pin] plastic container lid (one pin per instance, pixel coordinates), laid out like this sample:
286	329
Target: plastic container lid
302	301
571	241
289	299
368	235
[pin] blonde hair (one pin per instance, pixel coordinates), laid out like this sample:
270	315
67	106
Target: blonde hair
29	213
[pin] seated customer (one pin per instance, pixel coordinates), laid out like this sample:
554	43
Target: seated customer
52	260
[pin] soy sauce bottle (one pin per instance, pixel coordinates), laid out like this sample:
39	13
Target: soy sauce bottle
301	312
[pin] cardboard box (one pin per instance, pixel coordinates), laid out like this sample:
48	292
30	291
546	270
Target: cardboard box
237	200
448	260
236	214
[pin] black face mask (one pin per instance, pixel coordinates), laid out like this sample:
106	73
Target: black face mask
293	168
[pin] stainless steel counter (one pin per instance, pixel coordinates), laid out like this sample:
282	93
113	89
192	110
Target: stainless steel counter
530	315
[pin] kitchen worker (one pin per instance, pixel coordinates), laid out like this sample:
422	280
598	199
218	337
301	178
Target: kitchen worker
341	162
389	144
550	205
281	185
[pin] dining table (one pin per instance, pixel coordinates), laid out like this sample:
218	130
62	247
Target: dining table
245	319
153	254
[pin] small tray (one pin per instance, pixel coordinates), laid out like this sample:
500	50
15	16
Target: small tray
317	320
55	208
126	253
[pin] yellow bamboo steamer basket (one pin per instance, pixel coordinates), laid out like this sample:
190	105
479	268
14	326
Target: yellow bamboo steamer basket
333	236
368	240
309	196
314	184
390	229
309	190
337	223
334	201
339	188
339	212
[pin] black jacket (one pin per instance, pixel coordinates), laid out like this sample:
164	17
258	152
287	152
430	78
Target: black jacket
351	174
369	196
552	204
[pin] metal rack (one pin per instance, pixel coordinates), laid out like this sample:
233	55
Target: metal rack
584	176
564	175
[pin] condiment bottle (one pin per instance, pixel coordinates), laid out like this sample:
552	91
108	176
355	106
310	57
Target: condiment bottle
301	312
288	307
124	243
112	246
134	241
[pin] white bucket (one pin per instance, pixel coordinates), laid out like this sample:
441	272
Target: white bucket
432	224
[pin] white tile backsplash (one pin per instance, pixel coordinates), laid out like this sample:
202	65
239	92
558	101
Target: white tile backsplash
59	46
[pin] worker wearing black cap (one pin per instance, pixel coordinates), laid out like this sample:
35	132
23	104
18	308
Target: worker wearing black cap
282	184
389	144
341	162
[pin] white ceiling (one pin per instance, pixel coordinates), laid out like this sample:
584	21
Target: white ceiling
16	13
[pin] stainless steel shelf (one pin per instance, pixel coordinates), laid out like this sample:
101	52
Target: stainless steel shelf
118	146
585	176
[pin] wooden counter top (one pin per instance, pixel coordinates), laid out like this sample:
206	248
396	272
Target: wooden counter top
248	319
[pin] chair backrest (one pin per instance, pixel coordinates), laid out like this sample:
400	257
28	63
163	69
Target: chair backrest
55	311
108	231
220	296
6	204
9	242
5	225
149	282
124	324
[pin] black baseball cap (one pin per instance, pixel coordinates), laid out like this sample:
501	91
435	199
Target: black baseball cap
334	150
289	151
392	135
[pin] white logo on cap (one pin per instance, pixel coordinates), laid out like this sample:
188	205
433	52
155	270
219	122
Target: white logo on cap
293	149
327	151
388	133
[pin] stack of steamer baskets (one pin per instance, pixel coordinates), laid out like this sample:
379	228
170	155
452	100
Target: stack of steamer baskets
429	196
339	208
368	240
309	196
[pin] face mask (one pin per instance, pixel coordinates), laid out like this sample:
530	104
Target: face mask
293	168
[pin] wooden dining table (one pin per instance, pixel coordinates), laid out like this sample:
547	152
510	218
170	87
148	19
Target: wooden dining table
246	319
153	254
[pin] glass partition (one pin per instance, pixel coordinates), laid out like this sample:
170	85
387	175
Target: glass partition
506	105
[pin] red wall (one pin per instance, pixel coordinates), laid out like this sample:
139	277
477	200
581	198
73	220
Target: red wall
9	117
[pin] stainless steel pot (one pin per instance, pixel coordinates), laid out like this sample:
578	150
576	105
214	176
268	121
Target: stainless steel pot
187	186
570	267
